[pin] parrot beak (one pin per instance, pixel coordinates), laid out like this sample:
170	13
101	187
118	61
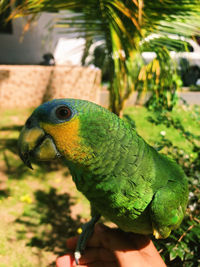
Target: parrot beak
35	144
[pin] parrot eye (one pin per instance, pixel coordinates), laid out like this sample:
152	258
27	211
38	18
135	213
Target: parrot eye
63	113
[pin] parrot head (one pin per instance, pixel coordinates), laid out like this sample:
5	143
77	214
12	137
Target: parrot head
66	128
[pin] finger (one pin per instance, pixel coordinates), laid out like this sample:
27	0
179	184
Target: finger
65	261
96	239
140	241
71	242
129	257
100	264
135	258
101	233
93	242
152	255
97	254
111	238
116	239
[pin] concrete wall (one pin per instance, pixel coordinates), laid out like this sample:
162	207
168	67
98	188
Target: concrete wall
29	86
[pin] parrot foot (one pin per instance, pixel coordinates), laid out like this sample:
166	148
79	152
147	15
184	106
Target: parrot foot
87	231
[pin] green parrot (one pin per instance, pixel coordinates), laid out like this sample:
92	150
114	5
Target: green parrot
126	180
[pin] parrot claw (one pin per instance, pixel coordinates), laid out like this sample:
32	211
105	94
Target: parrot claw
156	234
77	256
87	231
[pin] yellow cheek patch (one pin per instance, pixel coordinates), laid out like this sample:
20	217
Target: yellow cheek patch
67	139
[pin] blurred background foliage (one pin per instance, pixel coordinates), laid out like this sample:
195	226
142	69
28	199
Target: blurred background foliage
118	32
121	28
161	79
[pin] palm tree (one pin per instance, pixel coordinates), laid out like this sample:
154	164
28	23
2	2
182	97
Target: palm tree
121	25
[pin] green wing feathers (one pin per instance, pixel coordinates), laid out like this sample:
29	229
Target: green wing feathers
168	208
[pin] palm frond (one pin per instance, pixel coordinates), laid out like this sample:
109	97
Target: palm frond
122	25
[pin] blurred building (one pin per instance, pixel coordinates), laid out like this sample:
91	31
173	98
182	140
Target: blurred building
19	47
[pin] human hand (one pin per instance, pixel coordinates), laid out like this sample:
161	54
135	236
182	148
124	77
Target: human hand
113	248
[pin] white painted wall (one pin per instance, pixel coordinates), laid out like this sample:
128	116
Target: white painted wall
29	48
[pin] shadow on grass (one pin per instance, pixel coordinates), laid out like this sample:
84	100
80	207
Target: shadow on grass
14	167
11	128
4	193
9	144
49	222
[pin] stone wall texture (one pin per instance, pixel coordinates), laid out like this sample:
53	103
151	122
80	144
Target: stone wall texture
29	86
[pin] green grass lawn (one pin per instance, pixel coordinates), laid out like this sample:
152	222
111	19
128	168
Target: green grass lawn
40	208
153	134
